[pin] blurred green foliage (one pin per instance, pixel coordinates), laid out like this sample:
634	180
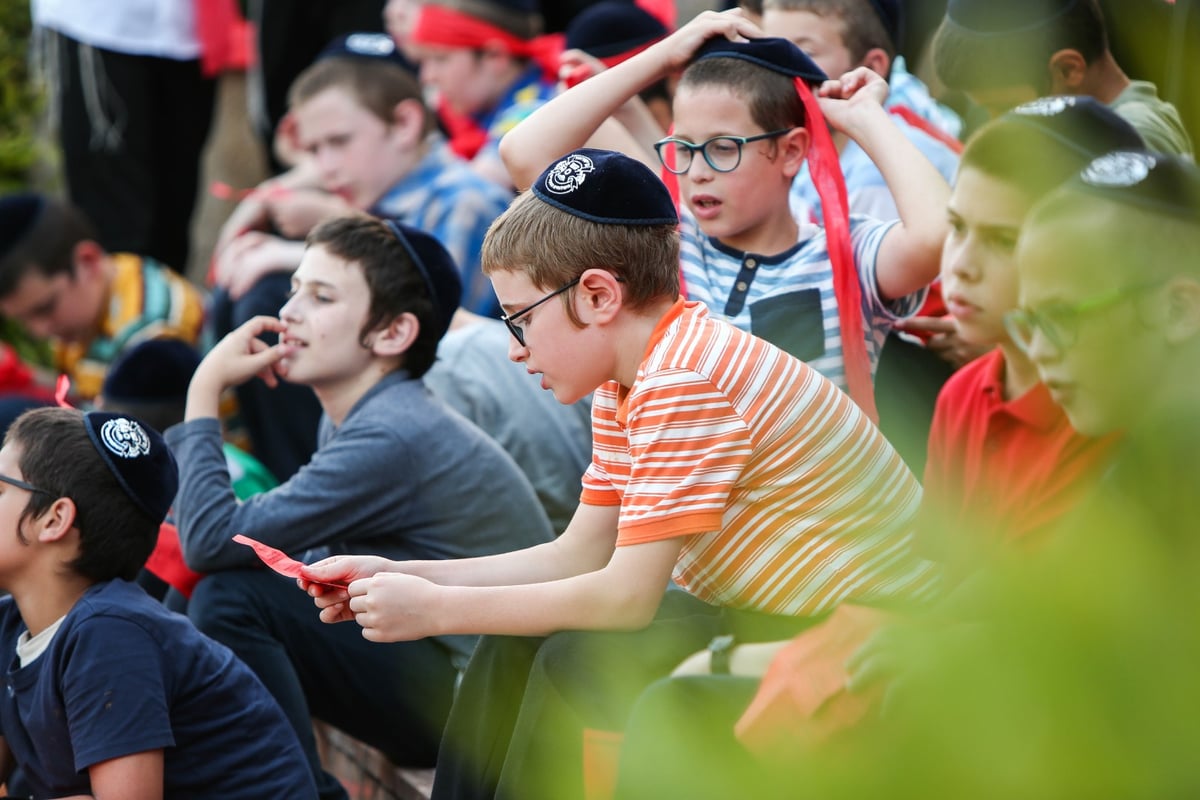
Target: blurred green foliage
20	102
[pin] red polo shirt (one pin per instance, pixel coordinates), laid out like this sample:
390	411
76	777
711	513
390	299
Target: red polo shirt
1004	469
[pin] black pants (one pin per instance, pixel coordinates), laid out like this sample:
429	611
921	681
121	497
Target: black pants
517	726
132	130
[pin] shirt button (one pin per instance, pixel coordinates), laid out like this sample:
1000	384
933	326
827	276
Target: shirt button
741	286
751	263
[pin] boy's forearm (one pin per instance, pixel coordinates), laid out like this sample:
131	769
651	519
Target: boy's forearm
538	564
581	602
569	120
920	193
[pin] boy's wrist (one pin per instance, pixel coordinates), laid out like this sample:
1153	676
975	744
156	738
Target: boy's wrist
204	396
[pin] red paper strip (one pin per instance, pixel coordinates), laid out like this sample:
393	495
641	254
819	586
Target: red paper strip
281	562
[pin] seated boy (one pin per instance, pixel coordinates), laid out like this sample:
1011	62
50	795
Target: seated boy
490	66
1003	54
58	282
1004	466
1117	344
719	461
109	694
396	472
742	131
372	146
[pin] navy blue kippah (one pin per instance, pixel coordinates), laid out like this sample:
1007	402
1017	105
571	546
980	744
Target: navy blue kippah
18	214
1163	184
138	458
772	52
437	268
606	187
157	370
611	28
1078	122
370	46
1005	16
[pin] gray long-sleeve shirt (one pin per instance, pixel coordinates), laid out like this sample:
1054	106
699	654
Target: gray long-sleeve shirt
404	477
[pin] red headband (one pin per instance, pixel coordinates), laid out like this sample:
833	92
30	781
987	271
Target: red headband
826	173
445	27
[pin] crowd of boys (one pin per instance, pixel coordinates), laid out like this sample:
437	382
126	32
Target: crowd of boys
563	363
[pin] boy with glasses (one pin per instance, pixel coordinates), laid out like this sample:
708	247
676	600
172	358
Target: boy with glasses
745	119
1107	315
719	461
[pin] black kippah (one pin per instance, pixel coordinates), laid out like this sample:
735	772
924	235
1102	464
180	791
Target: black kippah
437	269
1163	184
611	28
1004	16
138	458
18	214
771	52
158	370
1078	122
606	187
368	46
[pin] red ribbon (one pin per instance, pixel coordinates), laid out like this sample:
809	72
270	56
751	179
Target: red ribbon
444	27
826	173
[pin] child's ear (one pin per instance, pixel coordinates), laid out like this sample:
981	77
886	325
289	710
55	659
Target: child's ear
1182	311
878	61
793	149
601	296
1068	71
396	337
56	521
408	117
87	258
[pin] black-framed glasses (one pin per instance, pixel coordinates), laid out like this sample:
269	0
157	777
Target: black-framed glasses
723	153
29	487
510	320
1060	322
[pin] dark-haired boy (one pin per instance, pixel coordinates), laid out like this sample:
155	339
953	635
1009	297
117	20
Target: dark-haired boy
109	694
719	461
1004	54
57	281
396	472
371	146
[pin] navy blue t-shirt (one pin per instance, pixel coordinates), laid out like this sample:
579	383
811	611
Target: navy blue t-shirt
123	675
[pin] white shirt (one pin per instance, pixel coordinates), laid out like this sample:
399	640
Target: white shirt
161	28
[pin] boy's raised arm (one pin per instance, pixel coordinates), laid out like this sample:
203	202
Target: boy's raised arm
569	120
910	253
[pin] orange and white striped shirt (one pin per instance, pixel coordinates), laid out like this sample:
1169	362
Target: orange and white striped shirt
792	499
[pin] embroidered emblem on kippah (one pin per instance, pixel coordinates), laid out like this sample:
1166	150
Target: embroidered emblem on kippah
1118	169
1045	106
568	174
370	44
125	438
